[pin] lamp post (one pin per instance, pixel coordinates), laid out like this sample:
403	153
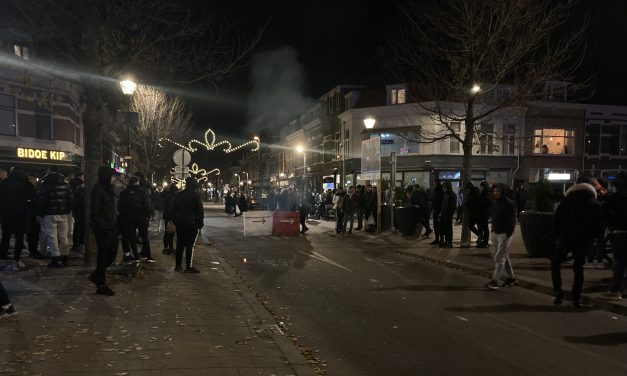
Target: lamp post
255	138
239	181
128	88
246	187
369	123
301	149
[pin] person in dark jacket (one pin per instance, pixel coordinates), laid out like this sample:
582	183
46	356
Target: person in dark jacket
483	214
16	194
157	202
578	219
436	206
503	216
471	207
105	227
78	211
33	229
242	204
447	210
133	209
168	216
189	220
304	207
420	201
54	203
359	211
349	206
521	200
617	223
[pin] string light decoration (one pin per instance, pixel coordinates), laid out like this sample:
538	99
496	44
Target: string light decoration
200	174
210	134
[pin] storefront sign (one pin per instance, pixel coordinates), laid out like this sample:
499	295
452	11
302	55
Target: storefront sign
555	176
42	154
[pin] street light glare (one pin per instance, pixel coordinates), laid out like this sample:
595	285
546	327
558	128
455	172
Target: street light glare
369	122
128	87
300	148
475	89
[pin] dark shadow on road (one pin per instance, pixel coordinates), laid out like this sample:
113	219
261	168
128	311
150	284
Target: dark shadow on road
605	339
517	307
430	288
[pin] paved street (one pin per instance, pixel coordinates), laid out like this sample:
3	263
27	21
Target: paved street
361	308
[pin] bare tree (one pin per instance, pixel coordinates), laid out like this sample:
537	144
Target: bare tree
160	116
485	55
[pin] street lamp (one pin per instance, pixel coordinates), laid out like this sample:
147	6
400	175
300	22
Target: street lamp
475	89
239	180
128	88
255	138
369	122
246	181
301	149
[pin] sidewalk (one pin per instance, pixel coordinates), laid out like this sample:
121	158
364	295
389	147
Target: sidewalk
159	323
532	273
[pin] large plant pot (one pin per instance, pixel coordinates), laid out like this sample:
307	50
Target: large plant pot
386	217
536	229
405	220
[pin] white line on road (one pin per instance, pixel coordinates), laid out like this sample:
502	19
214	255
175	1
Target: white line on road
317	256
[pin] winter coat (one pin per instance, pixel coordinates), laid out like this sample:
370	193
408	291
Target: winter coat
616	209
133	205
436	199
78	209
579	216
103	211
54	196
349	203
168	204
371	202
449	204
242	203
484	204
471	200
188	209
503	216
157	198
16	195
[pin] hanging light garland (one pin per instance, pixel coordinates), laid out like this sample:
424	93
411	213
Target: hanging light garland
200	174
227	147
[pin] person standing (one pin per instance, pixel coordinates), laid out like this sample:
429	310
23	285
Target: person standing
54	203
483	214
521	200
436	205
189	219
16	194
447	210
168	216
471	204
349	206
360	195
158	204
105	227
133	209
617	223
420	201
460	207
78	211
503	216
303	209
578	219
339	213
33	229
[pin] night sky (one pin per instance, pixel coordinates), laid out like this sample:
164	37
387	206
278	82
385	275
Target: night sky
344	42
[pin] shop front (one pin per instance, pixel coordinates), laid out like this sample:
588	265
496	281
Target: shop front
39	161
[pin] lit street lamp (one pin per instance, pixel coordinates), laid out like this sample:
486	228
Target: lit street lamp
239	180
128	88
301	149
369	124
247	182
475	89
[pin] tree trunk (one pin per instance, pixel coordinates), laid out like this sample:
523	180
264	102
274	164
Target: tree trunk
467	169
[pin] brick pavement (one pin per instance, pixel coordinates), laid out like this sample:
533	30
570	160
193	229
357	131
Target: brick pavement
159	323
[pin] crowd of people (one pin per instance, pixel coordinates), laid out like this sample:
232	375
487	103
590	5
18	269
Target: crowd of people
50	211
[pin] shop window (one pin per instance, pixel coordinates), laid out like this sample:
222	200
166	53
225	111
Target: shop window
486	139
7	115
554	141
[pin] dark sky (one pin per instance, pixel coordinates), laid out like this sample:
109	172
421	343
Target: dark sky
344	42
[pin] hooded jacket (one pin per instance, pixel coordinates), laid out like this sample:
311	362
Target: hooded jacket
187	208
617	211
54	196
16	196
503	216
134	204
579	217
103	213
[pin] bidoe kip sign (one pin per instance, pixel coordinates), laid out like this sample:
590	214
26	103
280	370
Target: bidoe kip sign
42	154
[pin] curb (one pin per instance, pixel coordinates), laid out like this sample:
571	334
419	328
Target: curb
296	360
524	282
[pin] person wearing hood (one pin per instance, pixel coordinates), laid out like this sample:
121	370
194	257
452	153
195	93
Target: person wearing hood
16	193
617	223
133	209
105	227
578	219
54	203
189	218
483	214
471	204
447	209
503	216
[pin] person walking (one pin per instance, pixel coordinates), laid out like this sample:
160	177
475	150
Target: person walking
188	216
349	206
503	217
16	194
168	216
133	209
339	213
578	219
54	203
436	206
105	227
447	210
617	223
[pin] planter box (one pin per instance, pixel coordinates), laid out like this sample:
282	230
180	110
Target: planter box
536	229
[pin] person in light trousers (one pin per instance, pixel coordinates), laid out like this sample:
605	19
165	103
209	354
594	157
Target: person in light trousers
503	217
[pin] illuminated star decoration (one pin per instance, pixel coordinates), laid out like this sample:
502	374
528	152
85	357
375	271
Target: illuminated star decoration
200	174
227	147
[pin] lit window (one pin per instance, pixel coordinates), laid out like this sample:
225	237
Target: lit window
393	96
554	141
401	96
18	50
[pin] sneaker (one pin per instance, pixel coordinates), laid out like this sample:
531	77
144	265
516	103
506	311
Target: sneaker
178	268
191	269
510	282
20	264
612	295
7	312
492	285
142	256
558	297
104	290
150	260
589	265
128	259
55	263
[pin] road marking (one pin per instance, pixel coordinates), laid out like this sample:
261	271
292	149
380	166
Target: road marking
461	318
373	281
317	256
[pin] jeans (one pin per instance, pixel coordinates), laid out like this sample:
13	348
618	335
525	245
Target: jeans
185	240
348	216
55	229
446	226
107	243
12	229
501	256
619	248
579	249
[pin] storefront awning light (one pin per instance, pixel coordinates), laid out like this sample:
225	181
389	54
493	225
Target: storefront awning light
555	176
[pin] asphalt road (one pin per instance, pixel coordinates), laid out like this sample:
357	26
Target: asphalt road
367	310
